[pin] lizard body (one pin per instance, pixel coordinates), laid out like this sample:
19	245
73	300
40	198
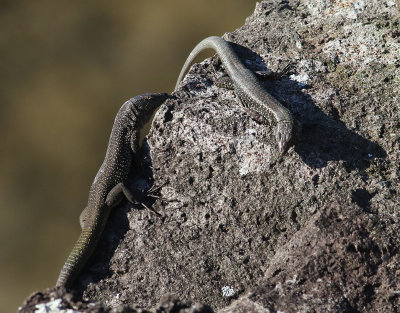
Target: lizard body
108	187
247	88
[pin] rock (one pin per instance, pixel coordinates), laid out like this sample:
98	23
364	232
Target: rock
243	230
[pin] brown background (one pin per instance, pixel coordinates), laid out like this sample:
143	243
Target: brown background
65	69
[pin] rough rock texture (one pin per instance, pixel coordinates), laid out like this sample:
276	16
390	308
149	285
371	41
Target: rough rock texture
243	230
57	300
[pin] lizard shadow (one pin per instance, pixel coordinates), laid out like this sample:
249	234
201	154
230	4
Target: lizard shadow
98	266
319	137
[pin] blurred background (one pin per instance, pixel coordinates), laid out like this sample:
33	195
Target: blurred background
66	67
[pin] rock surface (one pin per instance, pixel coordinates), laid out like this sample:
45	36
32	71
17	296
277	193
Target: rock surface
243	230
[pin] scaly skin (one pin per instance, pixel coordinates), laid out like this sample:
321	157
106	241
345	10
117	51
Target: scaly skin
247	87
108	187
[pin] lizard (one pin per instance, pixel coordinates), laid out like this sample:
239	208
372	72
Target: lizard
108	187
253	97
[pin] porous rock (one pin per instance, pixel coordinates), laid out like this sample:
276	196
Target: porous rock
245	230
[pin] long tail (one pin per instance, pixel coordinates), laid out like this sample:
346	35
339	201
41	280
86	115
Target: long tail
213	42
80	253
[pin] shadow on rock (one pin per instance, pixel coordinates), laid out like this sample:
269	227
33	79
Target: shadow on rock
326	139
319	138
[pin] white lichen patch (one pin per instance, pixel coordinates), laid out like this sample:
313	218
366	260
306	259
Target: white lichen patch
227	291
53	307
302	78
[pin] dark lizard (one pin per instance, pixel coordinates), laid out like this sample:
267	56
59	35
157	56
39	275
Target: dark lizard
248	89
108	187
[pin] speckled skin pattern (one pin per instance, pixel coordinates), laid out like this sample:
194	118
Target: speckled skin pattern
247	87
108	187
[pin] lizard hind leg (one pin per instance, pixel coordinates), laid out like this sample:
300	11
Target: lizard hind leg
116	195
120	190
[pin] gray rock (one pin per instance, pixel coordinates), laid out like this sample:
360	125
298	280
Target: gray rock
243	230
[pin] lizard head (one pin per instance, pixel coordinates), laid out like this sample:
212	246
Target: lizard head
284	135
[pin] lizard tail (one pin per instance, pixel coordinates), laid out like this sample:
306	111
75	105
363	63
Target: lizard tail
77	258
229	58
